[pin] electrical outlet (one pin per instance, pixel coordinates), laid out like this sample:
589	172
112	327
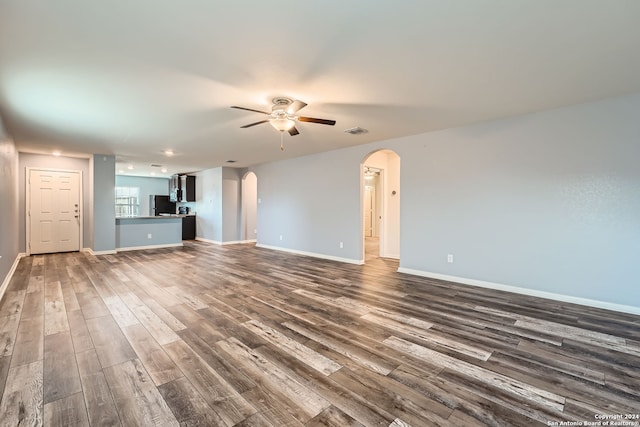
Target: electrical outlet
450	258
281	237
149	236
341	245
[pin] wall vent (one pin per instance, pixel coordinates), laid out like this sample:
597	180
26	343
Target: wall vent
356	131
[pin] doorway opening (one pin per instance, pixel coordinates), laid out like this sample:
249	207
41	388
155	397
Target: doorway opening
380	205
249	214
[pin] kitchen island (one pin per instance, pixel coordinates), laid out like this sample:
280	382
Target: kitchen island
147	232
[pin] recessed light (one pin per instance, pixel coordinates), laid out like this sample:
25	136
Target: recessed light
168	153
120	171
152	174
130	167
56	153
163	170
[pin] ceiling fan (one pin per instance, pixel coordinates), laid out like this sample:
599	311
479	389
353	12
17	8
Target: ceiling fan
283	116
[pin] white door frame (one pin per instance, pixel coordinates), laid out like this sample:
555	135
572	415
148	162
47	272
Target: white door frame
248	235
384	224
382	212
27	196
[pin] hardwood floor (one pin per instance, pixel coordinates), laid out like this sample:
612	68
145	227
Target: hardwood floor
236	335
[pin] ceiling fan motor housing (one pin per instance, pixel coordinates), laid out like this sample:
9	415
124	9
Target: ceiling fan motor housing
279	107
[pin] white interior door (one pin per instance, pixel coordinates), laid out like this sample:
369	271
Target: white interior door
369	214
54	211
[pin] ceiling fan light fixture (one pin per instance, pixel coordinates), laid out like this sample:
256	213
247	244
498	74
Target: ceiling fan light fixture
282	123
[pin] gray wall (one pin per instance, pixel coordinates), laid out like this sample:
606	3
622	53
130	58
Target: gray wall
9	222
231	204
209	204
52	162
313	202
148	187
219	204
545	201
104	215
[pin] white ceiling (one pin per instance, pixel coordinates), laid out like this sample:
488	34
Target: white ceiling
136	77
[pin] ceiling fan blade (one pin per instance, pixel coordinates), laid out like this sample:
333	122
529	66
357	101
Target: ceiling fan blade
293	131
320	121
248	109
296	106
253	124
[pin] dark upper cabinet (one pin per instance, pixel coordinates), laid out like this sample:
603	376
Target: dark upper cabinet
182	188
188	186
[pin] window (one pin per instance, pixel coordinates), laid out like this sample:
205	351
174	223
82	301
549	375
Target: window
127	201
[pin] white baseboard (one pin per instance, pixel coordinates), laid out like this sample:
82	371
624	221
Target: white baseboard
392	256
139	248
7	279
92	252
214	242
238	242
230	242
525	291
312	254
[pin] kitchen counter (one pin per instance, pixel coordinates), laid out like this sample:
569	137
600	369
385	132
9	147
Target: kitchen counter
161	216
146	232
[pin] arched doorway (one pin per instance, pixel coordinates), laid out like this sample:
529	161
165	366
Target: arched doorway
380	177
249	214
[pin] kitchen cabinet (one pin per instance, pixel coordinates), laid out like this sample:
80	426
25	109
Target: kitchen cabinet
174	186
182	188
188	186
189	227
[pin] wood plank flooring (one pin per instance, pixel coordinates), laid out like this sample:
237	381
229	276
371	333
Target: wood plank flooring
236	335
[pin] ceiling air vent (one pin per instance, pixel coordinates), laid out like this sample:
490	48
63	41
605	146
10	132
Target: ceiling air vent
156	166
231	161
356	131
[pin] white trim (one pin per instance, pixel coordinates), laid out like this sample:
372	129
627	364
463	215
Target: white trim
239	242
230	242
392	256
525	291
92	252
7	279
139	248
202	239
311	254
